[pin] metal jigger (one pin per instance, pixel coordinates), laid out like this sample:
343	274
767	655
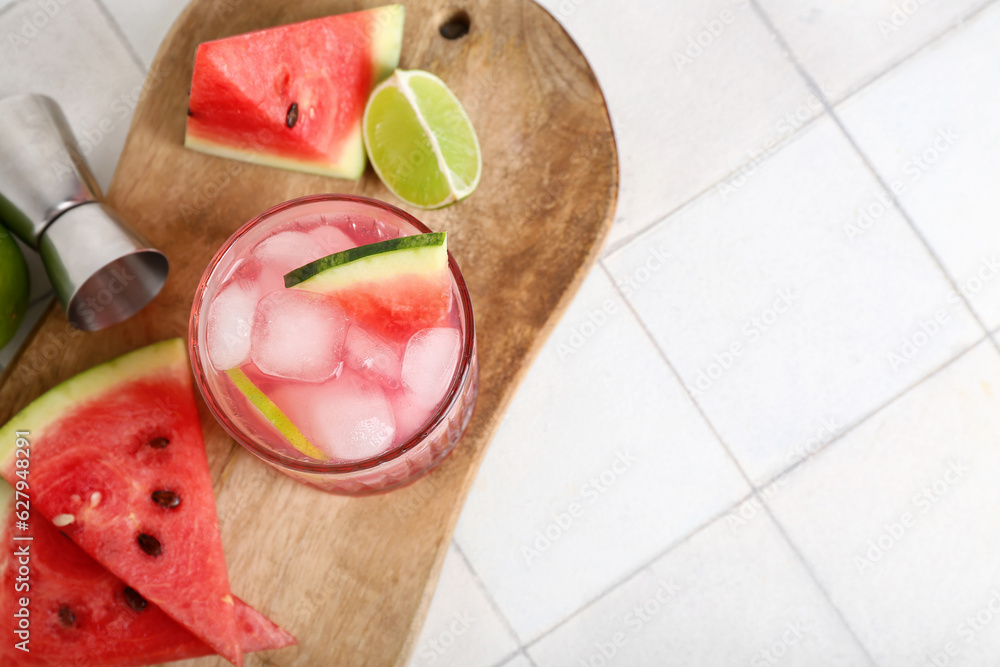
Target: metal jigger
102	271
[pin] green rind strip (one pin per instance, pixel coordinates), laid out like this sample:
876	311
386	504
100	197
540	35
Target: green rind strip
403	243
165	356
274	414
387	40
349	164
6	503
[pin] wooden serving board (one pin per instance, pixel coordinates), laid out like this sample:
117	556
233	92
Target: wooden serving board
352	577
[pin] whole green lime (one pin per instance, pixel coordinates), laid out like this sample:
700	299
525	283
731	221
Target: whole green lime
14	286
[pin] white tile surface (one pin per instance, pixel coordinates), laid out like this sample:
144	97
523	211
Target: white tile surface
779	244
899	520
145	24
847	43
931	126
462	629
76	57
724	597
518	661
681	126
602	453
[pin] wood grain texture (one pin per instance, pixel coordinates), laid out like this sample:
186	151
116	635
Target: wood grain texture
352	578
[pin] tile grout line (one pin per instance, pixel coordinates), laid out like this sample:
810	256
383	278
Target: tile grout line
754	493
489	597
815	579
811	83
519	652
625	240
869	415
663	355
632	574
931	41
789	139
125	41
9	6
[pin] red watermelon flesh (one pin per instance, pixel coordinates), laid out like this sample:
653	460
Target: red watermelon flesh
81	615
102	445
293	96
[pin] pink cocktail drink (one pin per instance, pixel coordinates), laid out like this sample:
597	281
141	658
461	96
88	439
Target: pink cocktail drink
330	388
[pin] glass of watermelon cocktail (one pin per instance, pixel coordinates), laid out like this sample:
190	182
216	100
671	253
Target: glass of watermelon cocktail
347	365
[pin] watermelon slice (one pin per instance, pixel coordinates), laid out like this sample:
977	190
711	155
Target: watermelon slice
81	614
394	287
117	462
293	96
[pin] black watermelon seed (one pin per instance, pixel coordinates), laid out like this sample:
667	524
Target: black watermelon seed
167	499
158	443
190	113
292	116
149	544
66	616
134	600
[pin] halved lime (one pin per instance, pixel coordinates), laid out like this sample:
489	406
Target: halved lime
420	140
14	287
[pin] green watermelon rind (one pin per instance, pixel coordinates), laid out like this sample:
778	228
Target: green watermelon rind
164	357
6	500
350	164
417	254
388	40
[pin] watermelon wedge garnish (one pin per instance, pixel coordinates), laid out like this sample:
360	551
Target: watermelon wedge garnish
293	96
81	614
118	464
394	287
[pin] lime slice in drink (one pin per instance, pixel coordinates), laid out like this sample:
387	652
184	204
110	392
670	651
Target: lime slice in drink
14	284
420	140
274	414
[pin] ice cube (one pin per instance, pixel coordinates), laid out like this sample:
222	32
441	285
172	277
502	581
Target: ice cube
331	239
429	364
372	356
284	252
298	335
366	229
409	415
230	320
349	418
